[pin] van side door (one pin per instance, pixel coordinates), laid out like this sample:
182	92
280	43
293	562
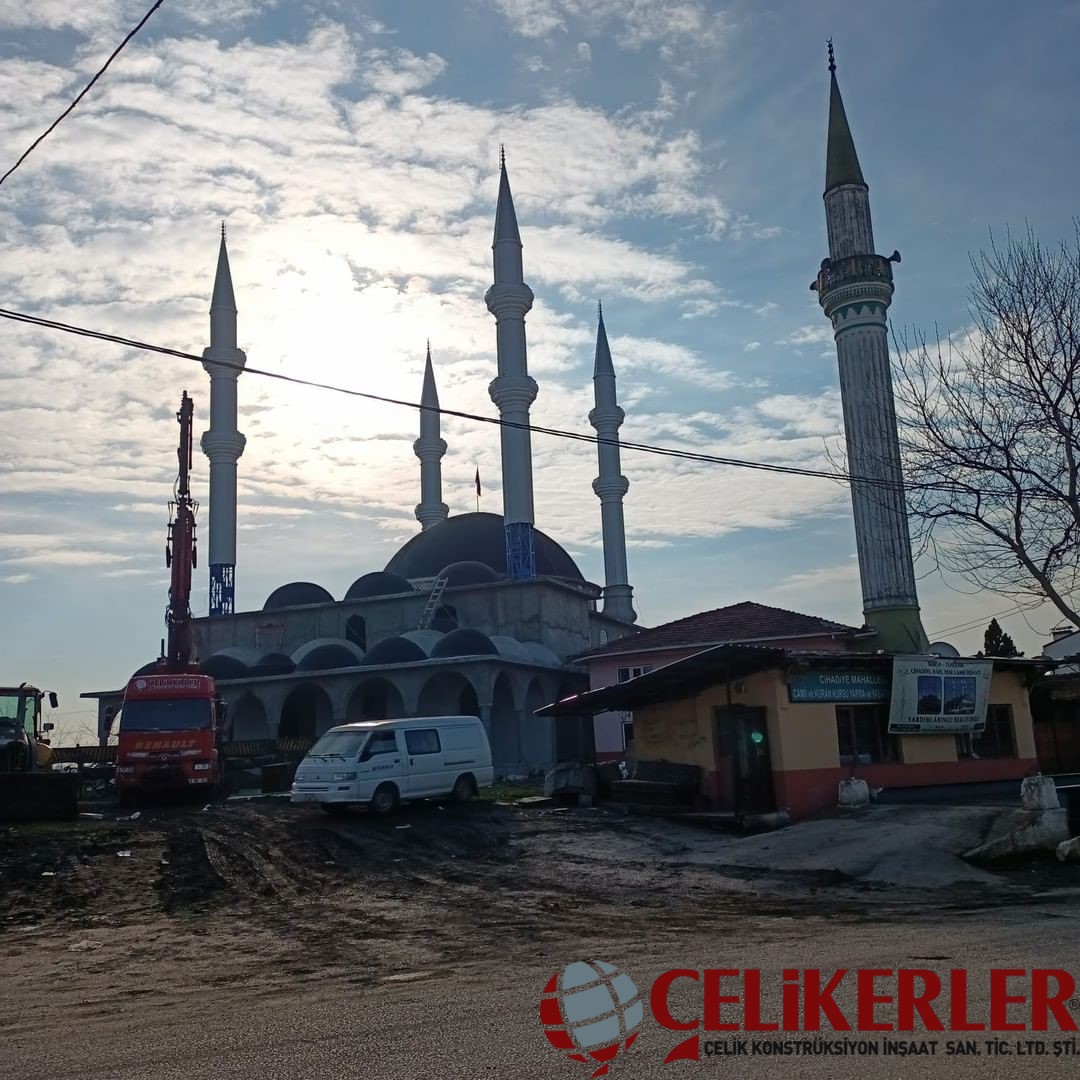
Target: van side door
382	759
424	755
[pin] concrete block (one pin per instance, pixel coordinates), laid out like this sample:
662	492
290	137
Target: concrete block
570	779
854	792
1069	850
1040	830
1038	793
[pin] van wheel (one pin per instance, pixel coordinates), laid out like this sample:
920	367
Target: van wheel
464	788
385	800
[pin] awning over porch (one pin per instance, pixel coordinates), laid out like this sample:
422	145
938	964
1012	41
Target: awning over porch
683	678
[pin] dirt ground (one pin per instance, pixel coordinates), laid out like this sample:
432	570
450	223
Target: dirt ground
102	919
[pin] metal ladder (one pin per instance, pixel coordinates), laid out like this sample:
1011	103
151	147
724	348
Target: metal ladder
437	589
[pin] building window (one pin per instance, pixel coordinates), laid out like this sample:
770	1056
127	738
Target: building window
628	734
863	734
996	740
628	673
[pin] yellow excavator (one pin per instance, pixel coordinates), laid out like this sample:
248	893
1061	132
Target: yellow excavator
29	788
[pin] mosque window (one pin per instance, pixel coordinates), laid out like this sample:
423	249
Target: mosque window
863	734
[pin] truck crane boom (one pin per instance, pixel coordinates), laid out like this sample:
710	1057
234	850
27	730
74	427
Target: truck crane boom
180	550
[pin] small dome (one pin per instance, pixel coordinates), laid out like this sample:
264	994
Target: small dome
221	665
272	663
297	594
328	655
317	643
146	669
468	572
511	648
541	654
394	650
426	639
464	642
378	583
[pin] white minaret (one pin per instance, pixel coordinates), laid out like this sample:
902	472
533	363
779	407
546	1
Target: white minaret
855	288
223	444
512	390
610	486
429	448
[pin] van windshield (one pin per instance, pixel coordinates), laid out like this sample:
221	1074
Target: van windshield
344	744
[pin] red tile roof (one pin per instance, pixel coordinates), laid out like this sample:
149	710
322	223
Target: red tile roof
736	623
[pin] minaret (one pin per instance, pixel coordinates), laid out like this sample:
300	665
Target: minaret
512	390
610	486
223	444
855	288
429	448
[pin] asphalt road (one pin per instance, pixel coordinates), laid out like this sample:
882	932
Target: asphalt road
164	1020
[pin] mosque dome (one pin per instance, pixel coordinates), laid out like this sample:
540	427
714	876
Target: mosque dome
224	665
511	648
303	663
468	572
146	669
297	594
394	650
464	642
541	654
426	639
445	620
327	655
475	538
377	583
273	663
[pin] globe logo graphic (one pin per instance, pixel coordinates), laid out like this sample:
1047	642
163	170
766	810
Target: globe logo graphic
591	1011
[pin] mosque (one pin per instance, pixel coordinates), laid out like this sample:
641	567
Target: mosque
476	614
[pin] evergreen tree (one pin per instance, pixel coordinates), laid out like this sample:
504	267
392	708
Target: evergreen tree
997	643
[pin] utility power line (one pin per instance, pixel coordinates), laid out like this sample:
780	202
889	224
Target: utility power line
577	436
82	93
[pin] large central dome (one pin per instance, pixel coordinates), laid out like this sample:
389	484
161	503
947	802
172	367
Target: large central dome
475	538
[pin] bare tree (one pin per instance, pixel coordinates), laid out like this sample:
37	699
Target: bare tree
990	428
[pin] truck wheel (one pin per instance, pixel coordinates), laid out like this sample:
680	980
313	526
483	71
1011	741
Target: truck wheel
385	800
464	788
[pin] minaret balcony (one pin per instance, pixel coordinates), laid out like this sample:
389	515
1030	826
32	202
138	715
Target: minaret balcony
854	270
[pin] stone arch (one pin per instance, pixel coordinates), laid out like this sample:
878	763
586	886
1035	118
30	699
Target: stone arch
356	630
306	713
248	720
449	693
538	732
505	728
375	699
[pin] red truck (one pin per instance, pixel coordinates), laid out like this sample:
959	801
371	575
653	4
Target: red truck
171	722
170	735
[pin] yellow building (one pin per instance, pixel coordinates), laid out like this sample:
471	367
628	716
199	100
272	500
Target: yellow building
779	729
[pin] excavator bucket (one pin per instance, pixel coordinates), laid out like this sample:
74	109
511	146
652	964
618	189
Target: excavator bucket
39	796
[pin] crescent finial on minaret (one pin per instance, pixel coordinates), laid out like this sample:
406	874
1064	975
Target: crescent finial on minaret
832	55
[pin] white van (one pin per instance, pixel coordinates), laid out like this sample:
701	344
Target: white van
381	762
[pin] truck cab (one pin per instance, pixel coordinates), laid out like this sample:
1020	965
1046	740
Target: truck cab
170	735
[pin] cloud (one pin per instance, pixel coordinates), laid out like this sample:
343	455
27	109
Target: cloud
17	579
637	22
818	334
398	71
752	346
584	52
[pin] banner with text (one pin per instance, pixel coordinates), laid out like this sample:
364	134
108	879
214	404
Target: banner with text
933	695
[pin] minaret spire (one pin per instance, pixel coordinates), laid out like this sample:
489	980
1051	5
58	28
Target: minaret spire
513	390
429	448
223	444
610	485
855	289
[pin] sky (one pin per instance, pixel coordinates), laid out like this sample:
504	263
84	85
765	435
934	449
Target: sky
666	156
